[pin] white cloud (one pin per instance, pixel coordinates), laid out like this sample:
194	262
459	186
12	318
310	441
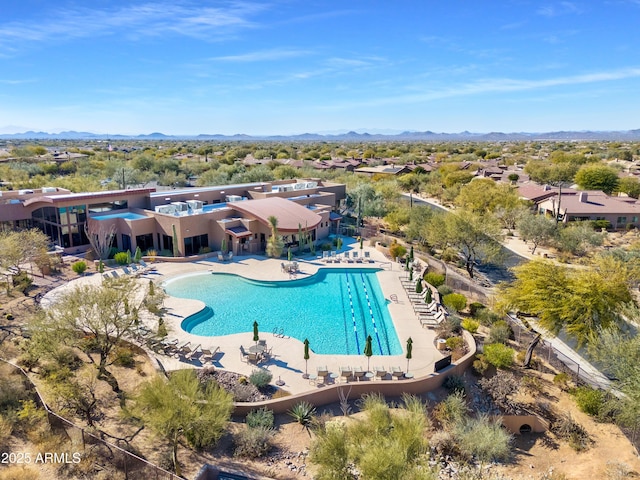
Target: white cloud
263	55
561	8
150	19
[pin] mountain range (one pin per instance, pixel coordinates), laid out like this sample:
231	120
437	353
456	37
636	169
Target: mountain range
428	136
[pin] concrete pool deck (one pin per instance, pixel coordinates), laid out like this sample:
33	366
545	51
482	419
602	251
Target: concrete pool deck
287	363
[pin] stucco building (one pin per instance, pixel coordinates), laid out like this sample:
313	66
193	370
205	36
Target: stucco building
195	219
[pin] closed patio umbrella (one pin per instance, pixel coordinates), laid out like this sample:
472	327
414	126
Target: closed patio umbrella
409	349
306	357
256	336
368	350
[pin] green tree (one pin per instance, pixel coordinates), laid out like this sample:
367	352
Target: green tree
183	409
536	229
475	237
630	186
581	301
19	249
578	238
97	313
555	174
275	244
597	177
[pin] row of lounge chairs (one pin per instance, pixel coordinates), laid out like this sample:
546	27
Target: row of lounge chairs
133	269
357	373
184	351
348	257
430	314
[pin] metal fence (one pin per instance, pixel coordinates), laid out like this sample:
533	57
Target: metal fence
545	350
105	455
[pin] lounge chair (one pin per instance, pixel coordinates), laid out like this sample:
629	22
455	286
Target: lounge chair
346	373
323	372
359	259
208	354
355	257
347	257
396	372
325	256
381	372
146	266
183	349
126	271
114	274
358	373
334	257
220	257
367	256
243	354
230	256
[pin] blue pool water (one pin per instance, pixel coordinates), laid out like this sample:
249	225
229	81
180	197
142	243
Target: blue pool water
335	309
213	206
125	215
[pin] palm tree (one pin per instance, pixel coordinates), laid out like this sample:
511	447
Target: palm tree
275	245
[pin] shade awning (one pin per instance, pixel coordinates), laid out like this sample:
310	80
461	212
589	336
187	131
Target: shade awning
240	231
334	217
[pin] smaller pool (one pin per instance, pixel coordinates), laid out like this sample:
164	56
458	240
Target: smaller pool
213	206
125	215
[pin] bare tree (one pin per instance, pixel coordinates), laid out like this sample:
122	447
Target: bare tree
100	237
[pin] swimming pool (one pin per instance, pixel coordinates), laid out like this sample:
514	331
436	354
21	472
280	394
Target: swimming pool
335	309
125	215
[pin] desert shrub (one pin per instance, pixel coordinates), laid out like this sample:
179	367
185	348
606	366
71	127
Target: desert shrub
79	267
303	413
451	410
124	357
260	377
12	389
66	357
444	290
253	442
571	431
450	326
469	325
444	443
396	250
242	392
454	383
500	387
499	355
475	307
22	281
455	301
30	416
589	400
455	342
480	364
500	332
434	279
532	384
483	439
20	472
561	380
263	417
600	224
121	258
486	317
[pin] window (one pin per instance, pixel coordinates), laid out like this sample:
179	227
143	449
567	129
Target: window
622	220
167	243
144	242
192	245
126	242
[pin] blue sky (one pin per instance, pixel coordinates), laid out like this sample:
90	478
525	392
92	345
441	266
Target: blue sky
288	66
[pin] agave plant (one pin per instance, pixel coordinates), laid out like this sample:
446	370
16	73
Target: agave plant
303	413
